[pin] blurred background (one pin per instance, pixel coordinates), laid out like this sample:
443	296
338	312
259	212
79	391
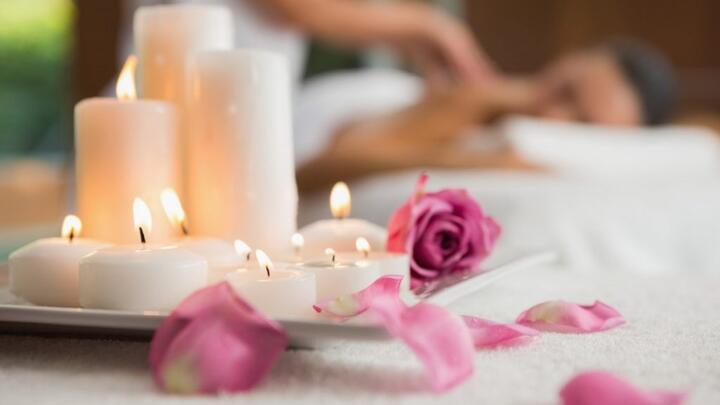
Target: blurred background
56	52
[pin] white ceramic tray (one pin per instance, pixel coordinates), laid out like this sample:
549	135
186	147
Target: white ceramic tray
17	317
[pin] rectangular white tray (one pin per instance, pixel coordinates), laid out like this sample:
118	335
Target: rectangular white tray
30	319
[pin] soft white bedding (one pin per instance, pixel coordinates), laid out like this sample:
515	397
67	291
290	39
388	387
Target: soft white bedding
647	226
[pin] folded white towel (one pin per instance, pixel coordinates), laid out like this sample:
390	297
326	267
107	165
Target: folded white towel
600	151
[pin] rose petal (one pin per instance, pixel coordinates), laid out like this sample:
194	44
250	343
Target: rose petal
567	317
398	225
602	388
213	342
438	338
350	305
488	334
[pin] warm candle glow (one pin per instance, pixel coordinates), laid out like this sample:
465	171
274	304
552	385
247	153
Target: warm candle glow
142	217
242	249
71	227
264	261
125	87
173	209
331	253
363	246
340	202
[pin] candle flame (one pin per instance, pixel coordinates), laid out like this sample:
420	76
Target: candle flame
340	202
125	87
362	245
173	209
297	241
71	227
142	218
331	253
264	261
242	249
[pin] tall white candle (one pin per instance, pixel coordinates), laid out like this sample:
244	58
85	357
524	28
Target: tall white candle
123	148
165	37
241	175
45	272
140	277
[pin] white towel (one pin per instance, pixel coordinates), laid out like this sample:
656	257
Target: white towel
600	151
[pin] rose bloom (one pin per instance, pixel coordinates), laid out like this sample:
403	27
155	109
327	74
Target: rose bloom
443	232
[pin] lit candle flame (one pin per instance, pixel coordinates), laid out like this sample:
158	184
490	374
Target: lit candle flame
143	219
340	202
71	227
125	87
173	209
331	253
242	249
297	242
363	246
264	261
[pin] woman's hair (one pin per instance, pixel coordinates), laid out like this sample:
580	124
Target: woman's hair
649	72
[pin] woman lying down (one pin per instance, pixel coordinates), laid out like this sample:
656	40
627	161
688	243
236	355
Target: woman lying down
347	116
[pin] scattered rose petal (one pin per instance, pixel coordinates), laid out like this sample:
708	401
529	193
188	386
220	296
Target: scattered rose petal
438	338
567	317
488	334
603	388
214	342
347	306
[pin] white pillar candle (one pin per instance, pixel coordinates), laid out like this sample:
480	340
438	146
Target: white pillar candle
221	256
45	272
335	278
241	175
341	232
276	292
123	148
140	277
165	37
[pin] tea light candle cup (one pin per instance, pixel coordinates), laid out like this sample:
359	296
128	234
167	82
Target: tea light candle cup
389	263
45	272
279	293
335	278
341	232
140	278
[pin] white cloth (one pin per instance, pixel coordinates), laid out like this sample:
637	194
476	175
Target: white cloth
596	151
671	341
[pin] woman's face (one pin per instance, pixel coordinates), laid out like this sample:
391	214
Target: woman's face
589	87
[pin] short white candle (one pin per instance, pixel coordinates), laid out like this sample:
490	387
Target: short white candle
221	256
123	148
45	272
335	278
390	263
341	232
140	278
276	292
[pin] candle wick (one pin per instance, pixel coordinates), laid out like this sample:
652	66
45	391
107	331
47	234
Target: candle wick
142	235
267	270
365	253
184	228
247	257
71	236
333	259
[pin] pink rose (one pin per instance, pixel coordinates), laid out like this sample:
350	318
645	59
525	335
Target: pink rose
443	232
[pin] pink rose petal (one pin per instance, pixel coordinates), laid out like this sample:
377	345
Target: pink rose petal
214	342
350	305
488	334
438	338
602	388
567	317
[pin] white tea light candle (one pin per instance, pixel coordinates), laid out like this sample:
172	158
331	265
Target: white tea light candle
335	278
45	272
123	148
276	292
341	232
389	263
140	277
